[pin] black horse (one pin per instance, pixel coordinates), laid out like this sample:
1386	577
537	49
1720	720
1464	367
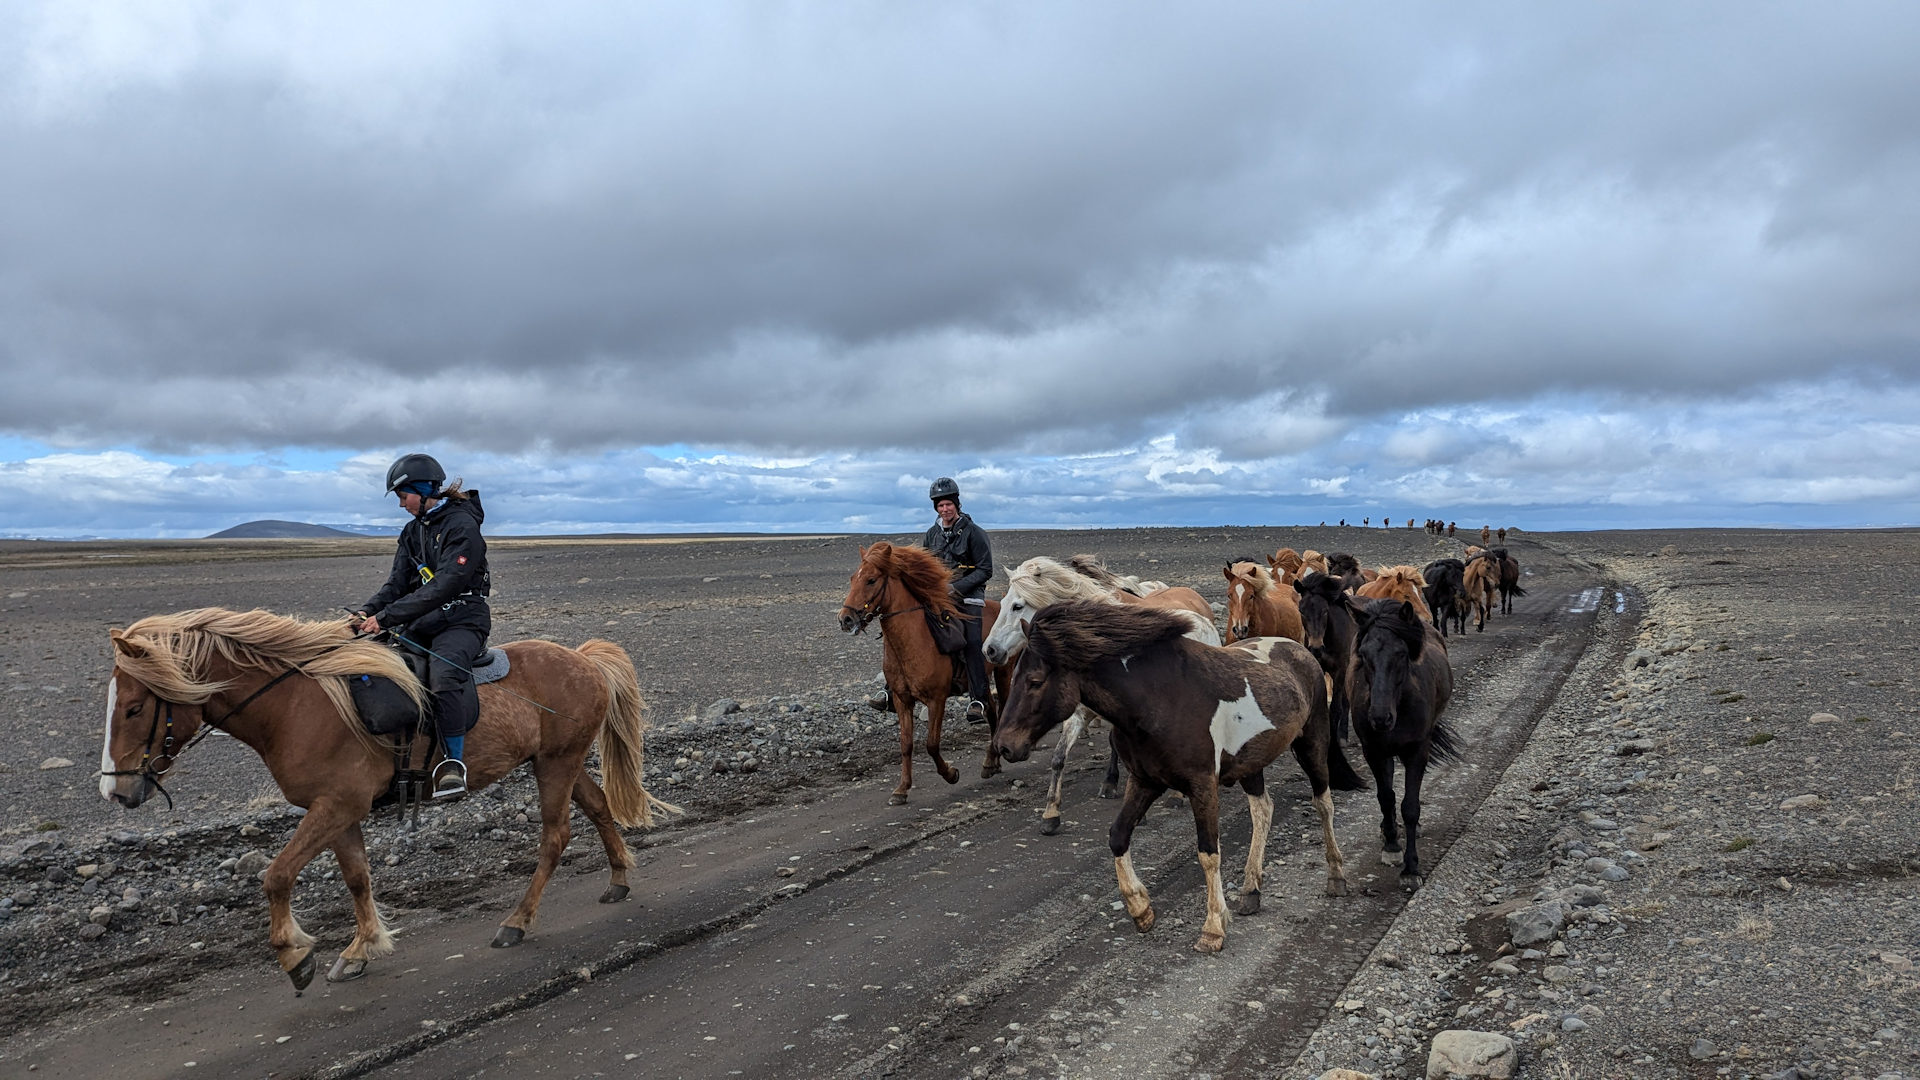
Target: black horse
1330	634
1446	594
1191	717
1401	682
1509	579
1346	569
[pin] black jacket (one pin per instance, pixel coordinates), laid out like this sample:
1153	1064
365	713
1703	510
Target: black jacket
965	550
445	542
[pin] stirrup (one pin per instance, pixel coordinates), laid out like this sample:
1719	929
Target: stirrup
882	703
976	711
450	780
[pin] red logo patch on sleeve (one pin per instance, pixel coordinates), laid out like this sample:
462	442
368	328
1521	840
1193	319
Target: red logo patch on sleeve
462	560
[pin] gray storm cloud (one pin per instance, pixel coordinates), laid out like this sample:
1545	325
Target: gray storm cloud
981	227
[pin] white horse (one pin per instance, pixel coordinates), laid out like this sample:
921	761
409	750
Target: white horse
1041	581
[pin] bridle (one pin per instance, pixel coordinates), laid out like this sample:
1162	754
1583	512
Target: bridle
154	766
871	610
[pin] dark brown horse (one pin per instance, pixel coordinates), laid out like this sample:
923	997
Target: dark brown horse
1330	636
1194	718
899	586
1401	682
280	686
1446	594
1509	579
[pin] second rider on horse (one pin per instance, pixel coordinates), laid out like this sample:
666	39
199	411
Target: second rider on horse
437	595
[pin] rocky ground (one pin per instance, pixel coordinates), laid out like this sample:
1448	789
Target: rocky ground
1704	863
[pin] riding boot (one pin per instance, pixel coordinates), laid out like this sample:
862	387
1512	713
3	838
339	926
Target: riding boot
450	776
976	664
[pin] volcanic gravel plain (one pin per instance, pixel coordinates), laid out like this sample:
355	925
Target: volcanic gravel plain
1683	843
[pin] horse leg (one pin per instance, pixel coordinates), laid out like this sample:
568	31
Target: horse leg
1260	809
1410	815
1382	765
292	945
1338	709
997	677
1110	787
555	778
936	715
1133	891
1050	818
371	938
903	711
1206	826
593	802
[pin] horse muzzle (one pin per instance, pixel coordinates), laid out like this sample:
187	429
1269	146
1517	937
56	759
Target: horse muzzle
848	624
1240	631
995	654
131	792
1013	746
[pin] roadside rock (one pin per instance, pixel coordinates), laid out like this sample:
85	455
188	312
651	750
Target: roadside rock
722	707
1344	1074
1823	718
57	763
1803	802
250	864
1537	923
1471	1053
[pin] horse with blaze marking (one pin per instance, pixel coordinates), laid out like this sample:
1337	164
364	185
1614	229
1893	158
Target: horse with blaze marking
279	685
1398	583
1185	716
1040	582
1258	606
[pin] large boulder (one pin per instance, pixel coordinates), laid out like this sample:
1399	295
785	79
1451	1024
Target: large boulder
1471	1053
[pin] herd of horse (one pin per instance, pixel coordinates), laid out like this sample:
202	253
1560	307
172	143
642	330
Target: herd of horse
1316	649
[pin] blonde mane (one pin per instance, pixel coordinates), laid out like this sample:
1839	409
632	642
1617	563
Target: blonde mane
1043	581
1261	576
171	654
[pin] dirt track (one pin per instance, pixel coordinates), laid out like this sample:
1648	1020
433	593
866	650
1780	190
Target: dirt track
943	938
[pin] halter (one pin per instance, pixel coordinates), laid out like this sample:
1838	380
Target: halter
869	611
154	766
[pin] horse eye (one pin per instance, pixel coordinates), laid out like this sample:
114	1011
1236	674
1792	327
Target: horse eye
134	709
872	580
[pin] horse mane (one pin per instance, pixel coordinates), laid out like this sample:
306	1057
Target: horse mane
916	568
1397	618
1081	634
1340	563
170	654
1286	559
1314	559
1257	571
1045	582
1408	575
1315	583
1094	567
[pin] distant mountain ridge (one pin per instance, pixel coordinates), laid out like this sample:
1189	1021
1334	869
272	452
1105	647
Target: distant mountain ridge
285	530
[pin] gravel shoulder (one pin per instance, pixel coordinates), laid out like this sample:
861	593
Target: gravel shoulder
1719	814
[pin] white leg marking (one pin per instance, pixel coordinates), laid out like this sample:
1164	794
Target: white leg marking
106	741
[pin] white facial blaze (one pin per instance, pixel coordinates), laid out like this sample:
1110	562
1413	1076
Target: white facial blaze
106	742
1235	722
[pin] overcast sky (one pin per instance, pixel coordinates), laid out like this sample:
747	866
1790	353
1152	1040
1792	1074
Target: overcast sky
762	265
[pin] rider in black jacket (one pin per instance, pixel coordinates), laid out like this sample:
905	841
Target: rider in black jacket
963	546
437	594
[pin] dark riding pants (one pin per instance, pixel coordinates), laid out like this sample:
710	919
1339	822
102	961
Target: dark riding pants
456	705
976	615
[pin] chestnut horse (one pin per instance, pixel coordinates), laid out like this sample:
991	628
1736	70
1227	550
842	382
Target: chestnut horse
895	580
279	685
1398	583
1258	606
1040	582
1509	579
1185	716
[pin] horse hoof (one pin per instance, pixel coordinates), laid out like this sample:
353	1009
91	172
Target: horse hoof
1049	826
302	972
1249	902
1210	943
950	775
1411	881
345	970
1336	886
1109	791
898	798
507	937
1390	856
988	772
614	894
1144	923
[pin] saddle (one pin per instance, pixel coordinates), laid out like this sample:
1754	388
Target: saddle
949	632
386	710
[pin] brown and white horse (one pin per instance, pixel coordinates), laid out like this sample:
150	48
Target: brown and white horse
279	685
1187	717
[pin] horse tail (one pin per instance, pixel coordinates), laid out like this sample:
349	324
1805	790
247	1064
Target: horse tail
1516	590
1444	743
622	737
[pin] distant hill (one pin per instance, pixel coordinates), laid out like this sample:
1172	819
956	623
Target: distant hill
281	530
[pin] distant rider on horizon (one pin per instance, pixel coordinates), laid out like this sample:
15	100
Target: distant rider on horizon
437	592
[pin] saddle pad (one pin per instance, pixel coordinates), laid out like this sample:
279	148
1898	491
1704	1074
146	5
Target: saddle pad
492	667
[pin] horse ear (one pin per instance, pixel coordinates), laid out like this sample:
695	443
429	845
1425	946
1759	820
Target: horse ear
1227	571
125	645
1026	627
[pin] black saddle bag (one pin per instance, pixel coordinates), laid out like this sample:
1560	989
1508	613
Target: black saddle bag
949	632
385	709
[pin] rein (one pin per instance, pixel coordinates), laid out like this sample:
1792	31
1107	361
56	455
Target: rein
870	611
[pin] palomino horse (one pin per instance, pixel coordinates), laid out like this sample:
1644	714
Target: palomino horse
1040	582
1259	606
174	675
893	580
1401	683
1398	583
1185	716
1482	580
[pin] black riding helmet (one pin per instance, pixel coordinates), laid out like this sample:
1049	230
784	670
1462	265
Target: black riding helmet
944	488
415	469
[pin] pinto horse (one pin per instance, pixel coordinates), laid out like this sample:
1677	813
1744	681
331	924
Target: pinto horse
1258	606
1401	683
1040	582
279	685
1329	636
896	580
1185	716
